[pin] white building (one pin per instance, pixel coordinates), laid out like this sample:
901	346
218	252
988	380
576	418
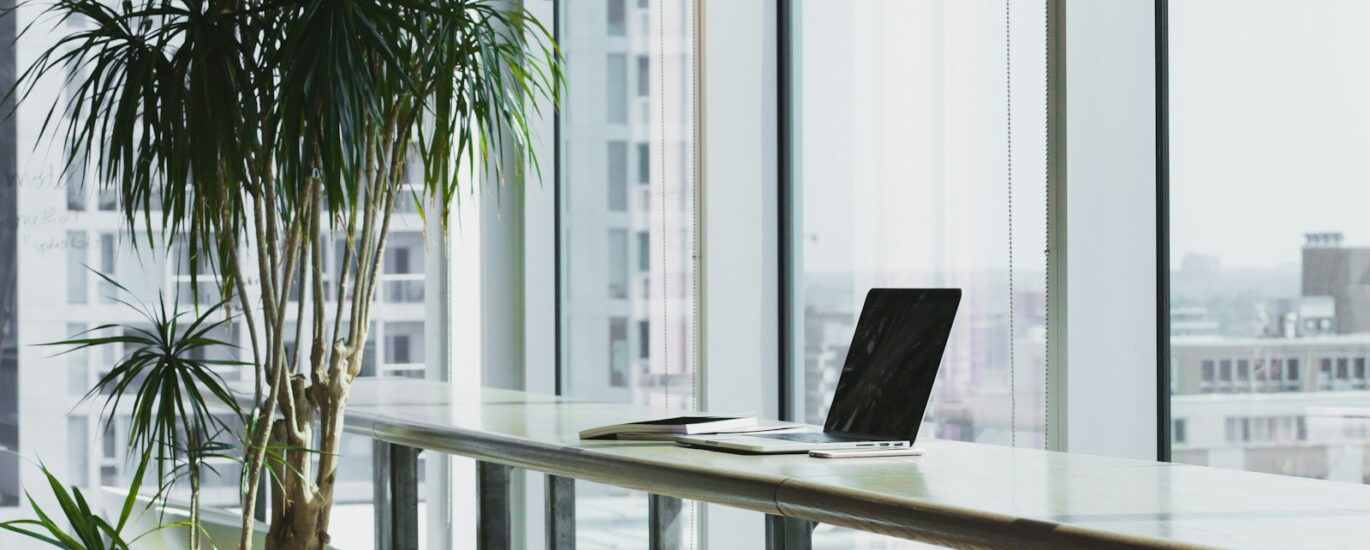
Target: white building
1294	406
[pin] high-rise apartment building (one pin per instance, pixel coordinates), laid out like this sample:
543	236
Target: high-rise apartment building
627	176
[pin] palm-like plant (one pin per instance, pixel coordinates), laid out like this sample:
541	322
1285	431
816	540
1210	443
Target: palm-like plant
84	529
260	127
174	387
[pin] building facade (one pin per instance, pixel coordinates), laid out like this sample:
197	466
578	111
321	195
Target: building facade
1294	397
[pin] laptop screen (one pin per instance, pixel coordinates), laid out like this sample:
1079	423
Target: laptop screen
893	362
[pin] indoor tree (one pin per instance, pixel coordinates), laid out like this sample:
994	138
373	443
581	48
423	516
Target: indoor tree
262	128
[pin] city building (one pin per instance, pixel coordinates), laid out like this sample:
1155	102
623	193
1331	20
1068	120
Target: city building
1291	399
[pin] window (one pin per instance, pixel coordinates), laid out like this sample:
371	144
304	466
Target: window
618	352
902	176
627	214
644	76
78	364
1280	279
78	456
644	164
644	339
402	282
109	442
109	252
618	264
399	260
644	251
616	23
75	183
76	245
399	349
1178	429
618	176
616	88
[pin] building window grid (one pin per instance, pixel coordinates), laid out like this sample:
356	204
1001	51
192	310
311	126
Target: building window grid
1278	374
1260	429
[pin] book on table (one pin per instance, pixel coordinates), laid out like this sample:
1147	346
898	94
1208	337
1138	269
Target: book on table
665	428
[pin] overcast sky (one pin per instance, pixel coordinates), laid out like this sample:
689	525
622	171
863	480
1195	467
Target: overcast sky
1270	127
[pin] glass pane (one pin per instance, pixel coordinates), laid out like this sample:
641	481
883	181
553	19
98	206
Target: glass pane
1267	261
616	23
919	150
919	161
617	172
616	88
78	452
76	186
78	364
606	276
617	268
77	271
56	227
627	215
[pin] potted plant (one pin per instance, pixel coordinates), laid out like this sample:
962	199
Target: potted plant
261	127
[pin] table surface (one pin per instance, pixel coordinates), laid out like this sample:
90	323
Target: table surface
957	493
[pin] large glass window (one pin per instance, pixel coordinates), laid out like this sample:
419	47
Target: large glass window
57	230
627	224
1268	254
919	160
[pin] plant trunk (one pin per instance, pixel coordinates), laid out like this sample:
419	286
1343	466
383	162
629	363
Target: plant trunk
194	504
302	526
303	503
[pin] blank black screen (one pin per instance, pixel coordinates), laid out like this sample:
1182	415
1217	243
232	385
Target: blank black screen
893	362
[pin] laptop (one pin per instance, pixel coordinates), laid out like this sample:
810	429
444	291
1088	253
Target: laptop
885	382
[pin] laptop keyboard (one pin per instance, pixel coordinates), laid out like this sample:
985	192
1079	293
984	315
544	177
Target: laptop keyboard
813	437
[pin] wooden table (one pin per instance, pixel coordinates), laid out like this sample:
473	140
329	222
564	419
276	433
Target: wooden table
961	494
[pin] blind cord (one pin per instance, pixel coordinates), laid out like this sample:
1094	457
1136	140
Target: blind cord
1046	316
661	126
1012	319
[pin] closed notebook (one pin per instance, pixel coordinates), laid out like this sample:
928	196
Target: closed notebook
680	425
769	428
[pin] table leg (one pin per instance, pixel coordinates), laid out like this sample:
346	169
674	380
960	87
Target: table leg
664	519
561	513
493	515
395	488
784	533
